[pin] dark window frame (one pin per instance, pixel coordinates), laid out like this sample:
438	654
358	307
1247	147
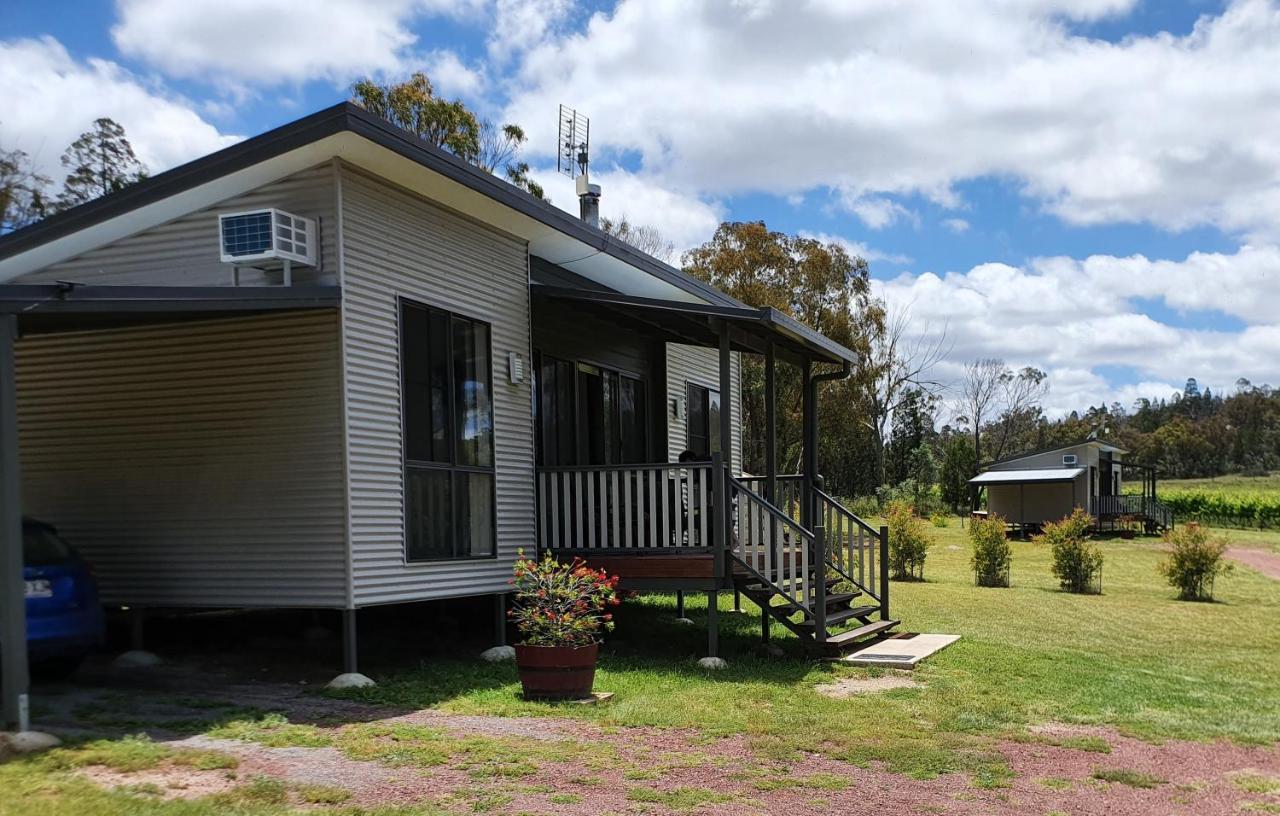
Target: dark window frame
452	467
575	395
712	434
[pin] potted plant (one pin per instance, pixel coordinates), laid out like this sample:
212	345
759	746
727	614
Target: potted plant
559	609
1128	526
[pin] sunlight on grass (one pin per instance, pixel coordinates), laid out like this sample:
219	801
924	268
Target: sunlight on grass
1134	658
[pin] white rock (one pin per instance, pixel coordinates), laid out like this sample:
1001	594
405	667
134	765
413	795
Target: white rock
29	742
713	663
350	680
499	654
136	659
685	621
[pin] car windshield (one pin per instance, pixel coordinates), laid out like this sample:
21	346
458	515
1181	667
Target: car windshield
41	547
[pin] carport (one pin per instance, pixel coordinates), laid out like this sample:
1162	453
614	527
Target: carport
32	311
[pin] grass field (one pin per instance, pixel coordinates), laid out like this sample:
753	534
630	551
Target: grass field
1133	658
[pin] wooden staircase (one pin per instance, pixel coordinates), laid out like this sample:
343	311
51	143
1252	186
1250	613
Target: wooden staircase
828	585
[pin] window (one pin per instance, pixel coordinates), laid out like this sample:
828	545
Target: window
589	415
446	384
704	421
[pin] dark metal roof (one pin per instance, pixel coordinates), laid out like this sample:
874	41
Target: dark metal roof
342	117
753	329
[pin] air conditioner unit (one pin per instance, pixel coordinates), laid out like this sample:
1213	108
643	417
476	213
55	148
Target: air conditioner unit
1069	460
249	238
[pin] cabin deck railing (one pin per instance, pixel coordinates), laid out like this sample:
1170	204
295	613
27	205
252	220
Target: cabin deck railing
1112	508
643	507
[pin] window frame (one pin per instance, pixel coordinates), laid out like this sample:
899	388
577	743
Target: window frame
452	467
581	454
712	435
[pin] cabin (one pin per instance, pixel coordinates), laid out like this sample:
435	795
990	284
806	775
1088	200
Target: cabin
1031	489
334	367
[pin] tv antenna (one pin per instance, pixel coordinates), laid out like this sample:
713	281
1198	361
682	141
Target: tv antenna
575	141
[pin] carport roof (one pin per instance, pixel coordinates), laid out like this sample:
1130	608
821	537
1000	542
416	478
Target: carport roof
1037	476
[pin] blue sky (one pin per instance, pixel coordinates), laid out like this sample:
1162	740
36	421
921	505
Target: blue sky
1088	186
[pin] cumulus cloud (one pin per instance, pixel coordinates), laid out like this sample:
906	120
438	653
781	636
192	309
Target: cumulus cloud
1071	317
731	96
51	98
956	226
870	254
683	218
264	43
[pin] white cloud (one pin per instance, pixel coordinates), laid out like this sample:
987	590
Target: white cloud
1071	317
787	97
518	25
51	98
264	43
450	76
685	219
876	212
957	226
870	254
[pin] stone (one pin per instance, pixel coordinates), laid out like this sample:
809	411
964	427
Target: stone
136	659
499	654
27	742
713	663
685	621
350	680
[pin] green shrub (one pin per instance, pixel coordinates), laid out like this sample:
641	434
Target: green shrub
992	554
864	507
908	543
939	520
1195	562
1077	562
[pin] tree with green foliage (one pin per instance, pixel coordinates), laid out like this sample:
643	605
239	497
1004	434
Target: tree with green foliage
23	199
449	124
957	468
821	285
99	162
1195	560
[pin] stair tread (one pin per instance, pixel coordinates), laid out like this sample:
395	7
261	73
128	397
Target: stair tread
836	618
861	632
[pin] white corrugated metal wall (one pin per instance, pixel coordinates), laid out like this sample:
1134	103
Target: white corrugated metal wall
196	463
185	252
397	244
700	366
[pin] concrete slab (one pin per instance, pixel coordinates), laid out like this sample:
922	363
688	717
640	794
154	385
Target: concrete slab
900	651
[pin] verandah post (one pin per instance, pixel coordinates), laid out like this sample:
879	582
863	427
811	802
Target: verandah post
884	573
14	679
820	585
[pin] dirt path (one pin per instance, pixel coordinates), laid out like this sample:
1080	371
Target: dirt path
568	767
1267	563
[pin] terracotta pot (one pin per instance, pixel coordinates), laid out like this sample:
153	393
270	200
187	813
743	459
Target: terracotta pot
557	672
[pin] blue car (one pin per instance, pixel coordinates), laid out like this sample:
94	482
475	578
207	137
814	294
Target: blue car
64	616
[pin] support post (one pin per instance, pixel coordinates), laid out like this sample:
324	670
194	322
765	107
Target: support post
680	603
771	425
14	678
713	624
737	600
720	496
820	585
137	628
809	424
500	619
350	651
764	624
884	573
726	398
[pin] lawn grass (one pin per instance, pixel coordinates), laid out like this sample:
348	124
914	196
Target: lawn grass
1134	658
